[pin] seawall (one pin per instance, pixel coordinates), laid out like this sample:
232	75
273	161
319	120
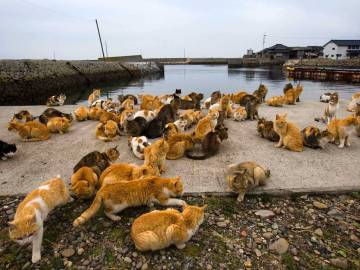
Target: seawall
32	81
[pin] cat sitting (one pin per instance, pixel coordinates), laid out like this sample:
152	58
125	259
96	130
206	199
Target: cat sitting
52	112
149	102
325	97
251	104
121	98
124	172
206	125
240	114
95	95
95	113
81	113
266	130
28	224
58	125
31	131
289	133
178	142
120	195
340	129
314	138
106	116
108	131
160	229
292	95
128	104
56	100
260	93
137	145
193	103
330	110
155	155
126	115
6	150
191	117
245	176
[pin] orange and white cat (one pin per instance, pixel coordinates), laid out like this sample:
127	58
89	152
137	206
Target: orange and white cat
58	125
161	229
81	113
240	114
108	131
95	95
341	129
206	125
290	134
28	224
147	114
84	182
31	131
124	172
155	155
128	104
127	114
120	195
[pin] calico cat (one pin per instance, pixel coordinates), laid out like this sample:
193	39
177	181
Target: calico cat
210	145
124	172
137	145
245	176
6	150
330	110
290	135
155	154
31	131
52	112
206	125
95	113
266	130
161	229
120	195
135	127
276	101
102	104
148	115
28	223
22	116
95	95
108	131
314	138
240	114
56	100
58	125
260	93
121	98
251	104
98	161
81	113
340	129
84	183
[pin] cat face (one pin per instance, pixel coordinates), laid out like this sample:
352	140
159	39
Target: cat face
112	153
111	128
176	186
214	114
23	230
334	99
280	121
97	92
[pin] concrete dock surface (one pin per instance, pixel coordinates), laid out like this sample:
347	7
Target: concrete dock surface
318	171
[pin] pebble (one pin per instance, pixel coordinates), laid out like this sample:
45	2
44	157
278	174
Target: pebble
68	252
265	213
320	205
294	251
280	246
339	262
128	260
221	224
257	252
267	235
318	232
145	266
80	251
209	267
275	226
86	262
334	212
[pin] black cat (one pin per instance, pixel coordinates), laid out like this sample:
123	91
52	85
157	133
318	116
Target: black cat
6	150
136	127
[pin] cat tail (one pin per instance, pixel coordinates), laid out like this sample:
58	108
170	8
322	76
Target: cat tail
147	240
91	211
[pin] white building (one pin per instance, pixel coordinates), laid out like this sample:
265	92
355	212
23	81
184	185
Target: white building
341	49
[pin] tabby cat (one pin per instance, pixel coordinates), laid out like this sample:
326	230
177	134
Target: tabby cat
240	114
251	104
22	116
261	92
290	135
31	131
120	195
52	112
266	130
95	113
314	138
276	101
155	154
160	229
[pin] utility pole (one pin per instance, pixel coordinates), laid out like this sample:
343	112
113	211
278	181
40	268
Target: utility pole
102	49
106	50
264	38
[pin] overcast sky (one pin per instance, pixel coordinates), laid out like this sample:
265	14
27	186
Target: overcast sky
40	28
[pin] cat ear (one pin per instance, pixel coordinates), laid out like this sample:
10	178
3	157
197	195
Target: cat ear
285	115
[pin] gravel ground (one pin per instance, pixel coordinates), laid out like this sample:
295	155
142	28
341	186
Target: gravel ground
297	232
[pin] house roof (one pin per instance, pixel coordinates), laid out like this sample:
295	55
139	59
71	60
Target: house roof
344	42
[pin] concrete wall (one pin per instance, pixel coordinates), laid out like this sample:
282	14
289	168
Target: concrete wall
325	62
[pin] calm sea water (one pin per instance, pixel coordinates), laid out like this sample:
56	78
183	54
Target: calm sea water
206	79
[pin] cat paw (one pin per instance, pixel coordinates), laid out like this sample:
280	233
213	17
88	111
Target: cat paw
113	217
181	246
35	258
341	146
277	145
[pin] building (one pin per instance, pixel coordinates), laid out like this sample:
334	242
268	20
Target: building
341	49
285	52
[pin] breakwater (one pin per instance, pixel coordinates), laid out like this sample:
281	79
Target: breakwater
33	81
255	62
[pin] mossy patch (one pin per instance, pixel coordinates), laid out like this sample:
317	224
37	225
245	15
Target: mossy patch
289	261
192	250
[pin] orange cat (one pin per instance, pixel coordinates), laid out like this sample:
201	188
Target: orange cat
128	104
127	114
31	131
236	98
124	172
340	129
155	154
106	116
161	229
150	102
179	143
95	113
108	131
120	195
225	106
81	113
292	95
58	125
31	213
240	114
206	125
290	135
277	101
95	95
84	182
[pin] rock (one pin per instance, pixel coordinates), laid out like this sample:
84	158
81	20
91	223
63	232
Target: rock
265	213
275	226
139	265
26	265
9	211
68	252
318	232
86	262
320	205
248	263
257	252
354	238
339	262
145	266
221	224
209	267
128	260
80	251
280	246
294	251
